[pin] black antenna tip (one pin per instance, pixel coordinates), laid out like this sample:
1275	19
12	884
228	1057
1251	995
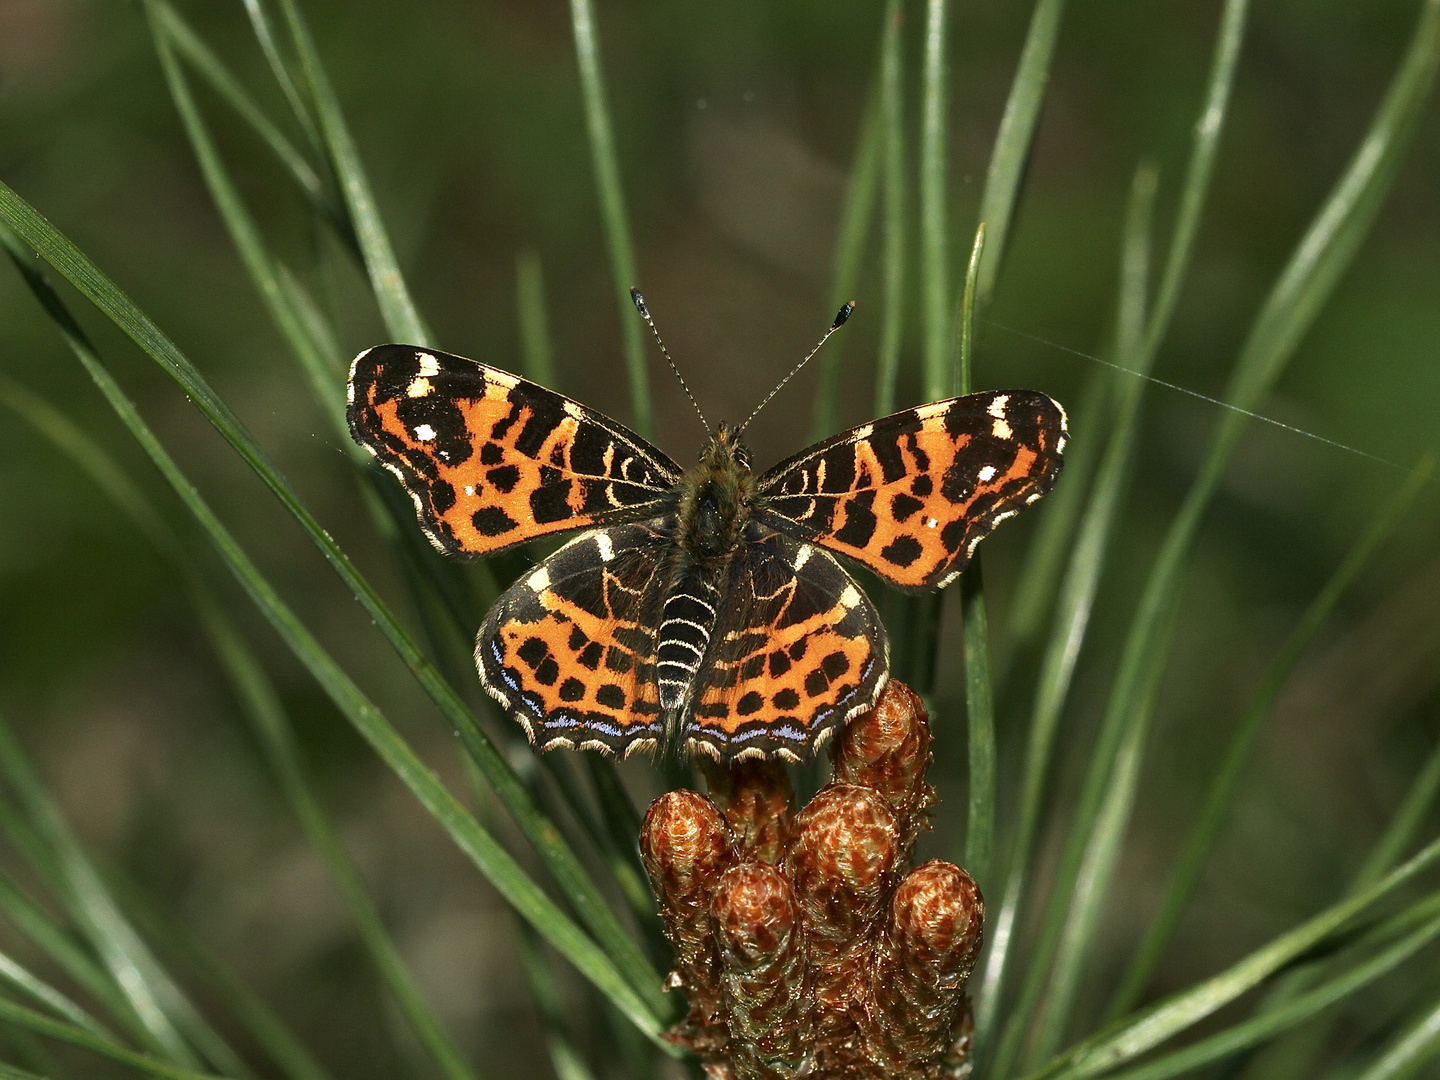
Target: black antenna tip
638	300
843	314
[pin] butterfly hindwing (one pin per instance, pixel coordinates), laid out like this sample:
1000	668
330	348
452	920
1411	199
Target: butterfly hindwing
570	648
493	460
798	649
910	495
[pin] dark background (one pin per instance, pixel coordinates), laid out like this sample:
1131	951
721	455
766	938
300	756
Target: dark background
735	126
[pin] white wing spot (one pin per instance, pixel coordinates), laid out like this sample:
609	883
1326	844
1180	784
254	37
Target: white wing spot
539	581
607	549
418	388
572	410
850	597
469	490
502	379
428	365
424	432
930	523
987	474
1001	428
803	556
864	431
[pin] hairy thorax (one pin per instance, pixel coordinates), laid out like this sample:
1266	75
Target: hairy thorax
715	501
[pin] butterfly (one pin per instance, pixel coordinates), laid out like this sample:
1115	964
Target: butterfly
702	607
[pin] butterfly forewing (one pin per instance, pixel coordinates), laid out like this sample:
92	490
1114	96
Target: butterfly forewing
910	495
493	460
798	649
570	648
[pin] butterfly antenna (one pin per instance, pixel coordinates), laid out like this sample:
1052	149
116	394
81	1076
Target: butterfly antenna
840	317
645	314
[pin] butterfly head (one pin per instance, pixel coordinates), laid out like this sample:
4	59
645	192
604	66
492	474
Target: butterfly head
716	497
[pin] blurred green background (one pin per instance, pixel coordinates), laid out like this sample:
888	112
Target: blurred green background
736	124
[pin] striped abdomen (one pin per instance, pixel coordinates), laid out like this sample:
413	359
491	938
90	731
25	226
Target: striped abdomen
685	625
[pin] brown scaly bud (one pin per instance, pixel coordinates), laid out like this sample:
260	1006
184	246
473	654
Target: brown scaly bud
840	863
685	848
757	801
805	949
888	749
918	973
762	981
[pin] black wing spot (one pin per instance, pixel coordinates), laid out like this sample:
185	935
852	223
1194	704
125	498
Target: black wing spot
492	521
750	703
902	551
572	690
786	699
550	502
860	522
504	477
532	651
611	696
903	506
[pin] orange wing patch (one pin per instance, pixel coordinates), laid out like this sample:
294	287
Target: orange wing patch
493	460
797	651
911	495
570	648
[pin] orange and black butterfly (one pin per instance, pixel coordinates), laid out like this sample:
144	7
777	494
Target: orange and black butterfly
700	606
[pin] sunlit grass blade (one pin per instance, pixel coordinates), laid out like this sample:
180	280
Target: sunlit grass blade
10	1072
1311	274
1273	1022
934	199
894	197
856	217
68	956
204	60
975	633
1106	841
402	318
611	193
151	994
537	355
1071	620
1109	1049
1196	851
300	106
1410	1051
1294	1057
246	235
40	1024
1059	516
1013	140
42	993
1047	552
1078	591
262	708
559	859
637	992
270	1033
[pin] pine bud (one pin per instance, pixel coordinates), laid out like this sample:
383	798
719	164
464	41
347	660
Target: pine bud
762	977
931	940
